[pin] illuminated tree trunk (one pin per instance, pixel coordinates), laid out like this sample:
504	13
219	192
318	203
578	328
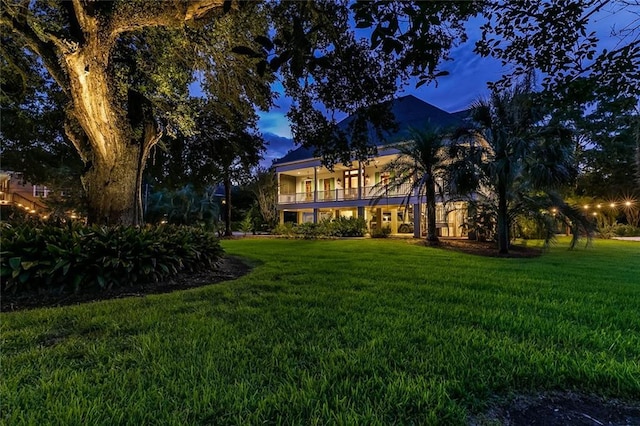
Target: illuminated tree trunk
114	159
112	132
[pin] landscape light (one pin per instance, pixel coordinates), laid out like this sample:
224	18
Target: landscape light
599	205
586	206
612	205
628	204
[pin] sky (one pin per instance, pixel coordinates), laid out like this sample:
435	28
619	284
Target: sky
467	81
469	73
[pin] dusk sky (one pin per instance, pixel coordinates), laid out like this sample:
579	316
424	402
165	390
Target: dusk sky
466	82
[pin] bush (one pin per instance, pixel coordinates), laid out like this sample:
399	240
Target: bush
618	230
246	226
284	229
307	230
340	227
383	232
349	227
626	231
74	257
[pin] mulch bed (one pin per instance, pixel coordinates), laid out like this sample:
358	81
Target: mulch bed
229	268
484	248
560	409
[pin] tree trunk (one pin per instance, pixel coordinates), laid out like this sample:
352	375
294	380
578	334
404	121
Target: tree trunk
227	210
503	221
113	191
114	159
432	232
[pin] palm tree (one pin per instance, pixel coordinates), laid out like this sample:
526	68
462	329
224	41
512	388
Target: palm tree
526	158
421	166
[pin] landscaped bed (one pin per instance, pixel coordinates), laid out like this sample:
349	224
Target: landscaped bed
335	331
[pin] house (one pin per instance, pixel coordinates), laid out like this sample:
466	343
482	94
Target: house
309	192
15	190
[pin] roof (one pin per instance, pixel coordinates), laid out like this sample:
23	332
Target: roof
409	112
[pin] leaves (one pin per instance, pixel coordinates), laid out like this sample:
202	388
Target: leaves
74	257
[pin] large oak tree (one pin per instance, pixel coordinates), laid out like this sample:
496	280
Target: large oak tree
125	68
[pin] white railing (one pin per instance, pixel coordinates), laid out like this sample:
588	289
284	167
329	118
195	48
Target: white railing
368	192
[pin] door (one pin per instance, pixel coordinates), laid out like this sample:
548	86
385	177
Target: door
328	193
351	184
308	193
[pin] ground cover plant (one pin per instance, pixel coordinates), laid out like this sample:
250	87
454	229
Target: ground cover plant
335	331
46	257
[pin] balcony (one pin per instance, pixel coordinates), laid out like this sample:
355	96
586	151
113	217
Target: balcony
349	194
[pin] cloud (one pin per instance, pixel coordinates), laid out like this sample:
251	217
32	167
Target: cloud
275	123
277	147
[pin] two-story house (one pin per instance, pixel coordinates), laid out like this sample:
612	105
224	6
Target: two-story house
14	189
309	192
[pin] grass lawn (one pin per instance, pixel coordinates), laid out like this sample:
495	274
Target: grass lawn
335	332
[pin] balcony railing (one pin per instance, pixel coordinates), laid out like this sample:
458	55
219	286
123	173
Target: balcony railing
368	193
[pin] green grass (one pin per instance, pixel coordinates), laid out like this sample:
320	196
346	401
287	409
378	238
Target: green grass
334	332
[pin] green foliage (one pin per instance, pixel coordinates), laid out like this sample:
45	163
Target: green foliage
522	161
569	51
264	187
382	232
339	227
619	230
348	227
423	166
186	206
74	257
246	225
283	229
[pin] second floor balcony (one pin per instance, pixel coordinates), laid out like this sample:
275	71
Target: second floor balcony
370	192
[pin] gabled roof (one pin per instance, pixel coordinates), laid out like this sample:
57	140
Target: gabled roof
409	112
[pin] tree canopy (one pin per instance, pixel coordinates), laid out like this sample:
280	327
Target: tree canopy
125	68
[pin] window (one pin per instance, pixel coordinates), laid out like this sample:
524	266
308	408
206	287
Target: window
40	191
384	178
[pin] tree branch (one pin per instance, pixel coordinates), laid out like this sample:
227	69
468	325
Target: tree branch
47	50
164	14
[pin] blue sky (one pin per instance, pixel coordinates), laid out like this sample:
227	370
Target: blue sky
468	72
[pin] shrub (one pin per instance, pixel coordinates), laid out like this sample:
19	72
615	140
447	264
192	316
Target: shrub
307	230
626	231
246	226
383	232
74	257
284	229
349	227
340	227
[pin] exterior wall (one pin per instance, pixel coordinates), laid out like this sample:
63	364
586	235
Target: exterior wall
308	192
15	190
